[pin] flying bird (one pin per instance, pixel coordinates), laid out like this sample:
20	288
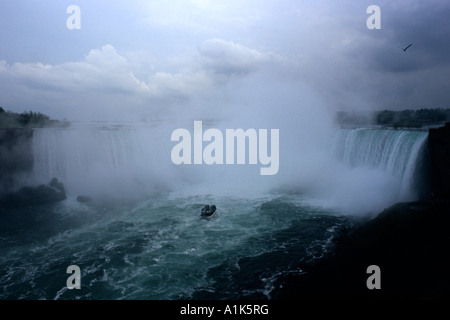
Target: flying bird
404	49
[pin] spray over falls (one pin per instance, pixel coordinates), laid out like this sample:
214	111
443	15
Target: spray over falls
364	168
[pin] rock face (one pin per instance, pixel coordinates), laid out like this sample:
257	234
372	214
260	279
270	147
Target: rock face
53	192
439	148
16	155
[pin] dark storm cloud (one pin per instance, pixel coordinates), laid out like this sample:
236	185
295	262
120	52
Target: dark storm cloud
425	24
370	71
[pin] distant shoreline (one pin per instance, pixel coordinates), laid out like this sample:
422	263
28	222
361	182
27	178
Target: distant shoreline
30	120
421	119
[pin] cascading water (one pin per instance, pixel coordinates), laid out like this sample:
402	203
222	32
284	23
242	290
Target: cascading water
380	160
369	167
90	159
394	151
129	160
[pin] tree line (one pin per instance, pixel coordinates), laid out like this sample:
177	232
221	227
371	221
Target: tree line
397	119
28	119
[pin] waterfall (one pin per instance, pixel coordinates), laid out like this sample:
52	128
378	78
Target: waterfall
393	153
367	170
101	159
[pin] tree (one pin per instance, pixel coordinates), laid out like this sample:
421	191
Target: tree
385	117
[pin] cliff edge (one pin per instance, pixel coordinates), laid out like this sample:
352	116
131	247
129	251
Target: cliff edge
439	146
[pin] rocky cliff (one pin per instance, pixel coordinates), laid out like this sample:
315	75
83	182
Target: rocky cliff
439	150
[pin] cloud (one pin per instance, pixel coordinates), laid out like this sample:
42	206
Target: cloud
104	79
353	67
190	54
103	70
205	17
423	24
229	58
109	81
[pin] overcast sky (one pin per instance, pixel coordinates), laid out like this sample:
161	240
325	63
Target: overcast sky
156	58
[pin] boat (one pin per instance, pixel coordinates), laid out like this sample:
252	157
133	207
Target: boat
208	210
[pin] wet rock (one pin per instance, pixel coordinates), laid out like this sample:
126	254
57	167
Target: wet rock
42	194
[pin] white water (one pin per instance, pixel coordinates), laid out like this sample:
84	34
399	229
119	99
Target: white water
394	152
377	167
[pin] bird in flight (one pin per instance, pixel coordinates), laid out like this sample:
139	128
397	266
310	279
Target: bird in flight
406	48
